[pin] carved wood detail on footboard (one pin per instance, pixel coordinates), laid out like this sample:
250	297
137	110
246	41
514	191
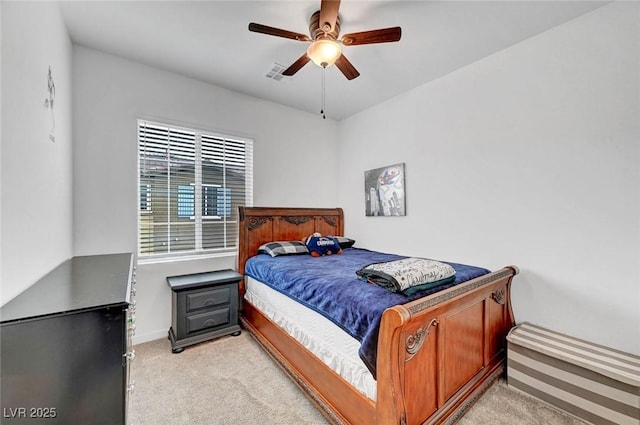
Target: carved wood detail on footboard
436	352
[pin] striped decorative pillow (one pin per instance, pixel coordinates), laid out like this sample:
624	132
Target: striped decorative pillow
344	242
283	248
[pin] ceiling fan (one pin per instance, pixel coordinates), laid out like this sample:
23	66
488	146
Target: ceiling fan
325	49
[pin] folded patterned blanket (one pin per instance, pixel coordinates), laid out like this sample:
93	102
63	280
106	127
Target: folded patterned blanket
407	275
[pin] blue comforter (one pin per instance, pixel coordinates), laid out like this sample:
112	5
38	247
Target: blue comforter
329	286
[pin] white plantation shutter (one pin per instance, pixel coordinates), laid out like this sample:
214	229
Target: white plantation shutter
190	186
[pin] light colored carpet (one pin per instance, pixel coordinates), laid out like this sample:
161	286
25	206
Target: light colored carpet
232	381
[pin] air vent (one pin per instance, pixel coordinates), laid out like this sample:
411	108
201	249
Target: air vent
275	72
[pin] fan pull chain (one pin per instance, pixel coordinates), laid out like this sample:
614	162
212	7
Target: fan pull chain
324	117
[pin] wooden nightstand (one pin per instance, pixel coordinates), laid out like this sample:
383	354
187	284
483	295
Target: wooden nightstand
203	306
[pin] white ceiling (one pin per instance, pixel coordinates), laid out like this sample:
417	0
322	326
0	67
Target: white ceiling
209	41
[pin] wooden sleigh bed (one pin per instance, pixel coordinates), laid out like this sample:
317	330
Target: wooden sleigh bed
436	355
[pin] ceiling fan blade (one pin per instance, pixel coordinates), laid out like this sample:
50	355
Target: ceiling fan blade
384	35
347	68
263	29
329	14
295	67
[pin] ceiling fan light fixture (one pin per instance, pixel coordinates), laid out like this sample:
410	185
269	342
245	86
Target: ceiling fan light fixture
324	52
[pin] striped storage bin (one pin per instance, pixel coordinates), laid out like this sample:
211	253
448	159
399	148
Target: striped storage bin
592	382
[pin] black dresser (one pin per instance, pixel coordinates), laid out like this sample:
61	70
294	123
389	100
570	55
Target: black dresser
65	345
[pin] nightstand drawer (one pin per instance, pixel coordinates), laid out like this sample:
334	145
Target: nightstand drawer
210	319
209	298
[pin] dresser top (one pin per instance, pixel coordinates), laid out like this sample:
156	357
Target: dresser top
80	283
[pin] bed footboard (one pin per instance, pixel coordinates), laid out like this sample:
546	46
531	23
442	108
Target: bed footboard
437	355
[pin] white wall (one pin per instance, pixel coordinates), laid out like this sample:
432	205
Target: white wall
36	180
527	157
110	93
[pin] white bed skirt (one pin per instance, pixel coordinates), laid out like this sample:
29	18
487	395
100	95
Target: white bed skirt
319	335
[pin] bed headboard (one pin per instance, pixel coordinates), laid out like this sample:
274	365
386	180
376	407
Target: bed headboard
258	225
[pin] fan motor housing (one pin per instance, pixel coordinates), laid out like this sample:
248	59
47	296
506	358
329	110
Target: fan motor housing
316	31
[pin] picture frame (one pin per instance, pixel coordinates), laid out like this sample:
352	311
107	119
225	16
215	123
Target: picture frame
384	191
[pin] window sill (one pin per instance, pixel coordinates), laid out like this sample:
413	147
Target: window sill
174	259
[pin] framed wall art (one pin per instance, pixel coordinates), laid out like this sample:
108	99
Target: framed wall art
384	191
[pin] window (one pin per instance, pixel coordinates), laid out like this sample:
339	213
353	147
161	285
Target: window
191	183
145	200
186	199
216	201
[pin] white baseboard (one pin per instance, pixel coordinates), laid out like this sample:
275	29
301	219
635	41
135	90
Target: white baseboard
152	336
